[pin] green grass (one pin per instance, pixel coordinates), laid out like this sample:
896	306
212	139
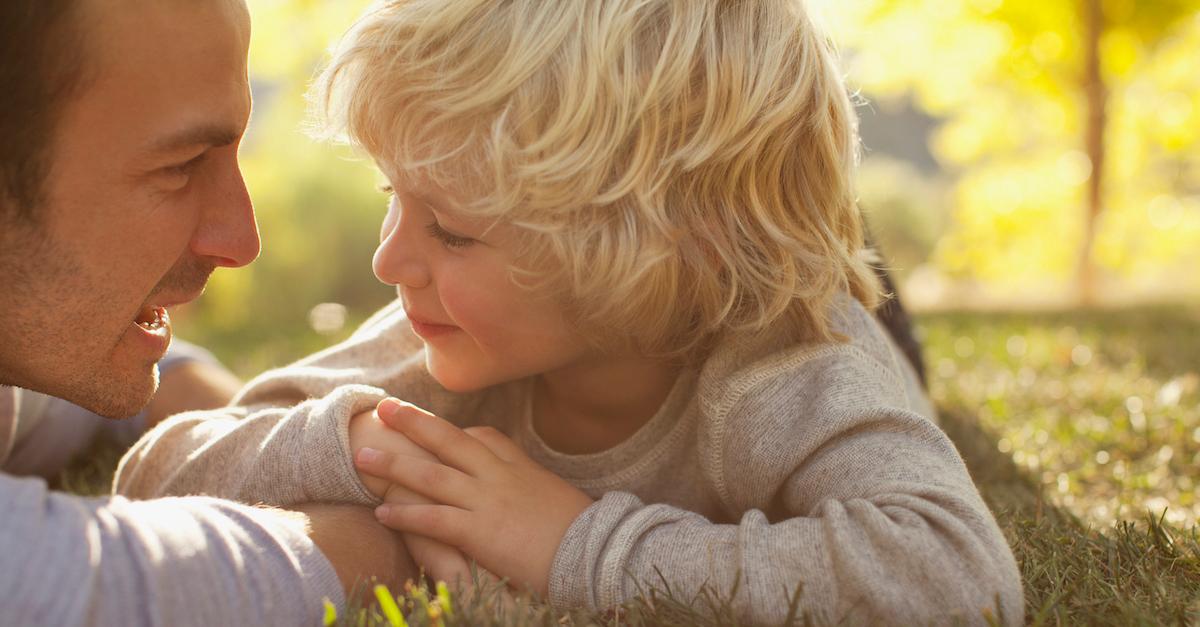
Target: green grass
1094	491
1082	430
1101	408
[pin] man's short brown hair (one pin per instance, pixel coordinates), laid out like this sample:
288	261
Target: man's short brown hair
40	67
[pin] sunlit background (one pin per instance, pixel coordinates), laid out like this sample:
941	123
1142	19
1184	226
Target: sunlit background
1020	156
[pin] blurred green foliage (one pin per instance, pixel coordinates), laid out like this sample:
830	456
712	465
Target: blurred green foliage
318	207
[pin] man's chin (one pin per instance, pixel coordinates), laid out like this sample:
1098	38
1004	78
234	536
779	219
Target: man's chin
115	396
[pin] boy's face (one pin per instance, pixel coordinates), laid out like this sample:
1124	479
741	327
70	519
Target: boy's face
452	275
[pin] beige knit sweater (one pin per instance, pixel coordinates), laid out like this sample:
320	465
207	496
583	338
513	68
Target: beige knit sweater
791	466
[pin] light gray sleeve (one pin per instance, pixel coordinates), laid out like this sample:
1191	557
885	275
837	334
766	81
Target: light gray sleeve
181	561
901	554
284	439
865	508
275	455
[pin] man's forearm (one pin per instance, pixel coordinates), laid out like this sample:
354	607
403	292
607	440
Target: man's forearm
360	549
178	561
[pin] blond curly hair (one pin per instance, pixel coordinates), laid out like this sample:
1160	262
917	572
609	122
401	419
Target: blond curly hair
680	168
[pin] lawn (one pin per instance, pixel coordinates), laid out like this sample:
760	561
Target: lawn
1082	430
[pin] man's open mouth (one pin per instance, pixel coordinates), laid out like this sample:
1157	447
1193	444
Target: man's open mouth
153	318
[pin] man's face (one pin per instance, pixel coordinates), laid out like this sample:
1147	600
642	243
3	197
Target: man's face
143	200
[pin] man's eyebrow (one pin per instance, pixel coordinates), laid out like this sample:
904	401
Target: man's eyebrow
212	136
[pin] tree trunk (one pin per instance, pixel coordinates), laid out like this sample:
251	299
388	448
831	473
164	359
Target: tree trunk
1096	93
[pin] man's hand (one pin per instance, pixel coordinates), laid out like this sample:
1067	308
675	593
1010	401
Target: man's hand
492	501
358	546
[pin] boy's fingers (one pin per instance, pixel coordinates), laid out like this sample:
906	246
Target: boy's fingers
451	444
500	444
439	482
441	562
443	523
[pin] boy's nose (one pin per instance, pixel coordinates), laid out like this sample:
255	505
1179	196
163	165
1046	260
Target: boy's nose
396	262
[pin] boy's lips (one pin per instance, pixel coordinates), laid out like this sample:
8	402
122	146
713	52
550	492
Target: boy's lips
426	321
427	329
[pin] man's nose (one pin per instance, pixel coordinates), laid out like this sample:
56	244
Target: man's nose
228	234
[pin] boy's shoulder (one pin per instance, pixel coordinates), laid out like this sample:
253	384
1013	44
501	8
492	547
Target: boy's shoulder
773	366
767	403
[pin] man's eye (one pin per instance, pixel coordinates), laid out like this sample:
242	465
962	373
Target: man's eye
448	239
186	168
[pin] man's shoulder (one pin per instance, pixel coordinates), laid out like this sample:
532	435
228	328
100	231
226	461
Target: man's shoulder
9	402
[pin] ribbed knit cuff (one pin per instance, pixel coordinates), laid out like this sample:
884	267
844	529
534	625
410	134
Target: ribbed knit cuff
327	464
585	564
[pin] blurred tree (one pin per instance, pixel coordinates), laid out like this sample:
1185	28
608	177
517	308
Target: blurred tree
1034	95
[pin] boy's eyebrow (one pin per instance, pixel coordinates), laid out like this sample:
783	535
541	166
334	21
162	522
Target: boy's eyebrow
437	205
424	198
454	216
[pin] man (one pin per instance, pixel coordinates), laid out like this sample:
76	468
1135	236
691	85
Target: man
119	194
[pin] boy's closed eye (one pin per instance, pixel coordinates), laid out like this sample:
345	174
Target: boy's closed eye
435	229
448	239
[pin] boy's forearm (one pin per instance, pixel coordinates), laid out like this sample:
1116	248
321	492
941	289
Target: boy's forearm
279	456
853	561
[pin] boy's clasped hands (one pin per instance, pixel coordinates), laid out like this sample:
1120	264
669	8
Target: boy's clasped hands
463	494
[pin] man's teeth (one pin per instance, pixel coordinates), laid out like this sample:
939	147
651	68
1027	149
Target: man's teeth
157	323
